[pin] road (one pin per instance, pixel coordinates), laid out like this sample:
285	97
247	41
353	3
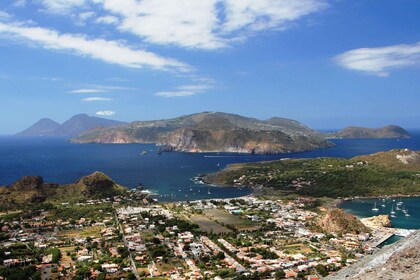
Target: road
133	264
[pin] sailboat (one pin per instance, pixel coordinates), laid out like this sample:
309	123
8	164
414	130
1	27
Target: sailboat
404	210
392	212
406	213
209	191
375	208
400	202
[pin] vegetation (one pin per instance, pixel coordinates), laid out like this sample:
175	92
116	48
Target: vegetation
330	177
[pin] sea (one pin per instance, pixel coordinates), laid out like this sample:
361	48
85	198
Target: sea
170	175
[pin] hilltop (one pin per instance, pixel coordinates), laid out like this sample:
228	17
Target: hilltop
338	221
389	131
33	190
387	173
213	132
74	126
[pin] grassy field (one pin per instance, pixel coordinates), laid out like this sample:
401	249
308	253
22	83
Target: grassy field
298	248
208	225
89	231
66	260
226	218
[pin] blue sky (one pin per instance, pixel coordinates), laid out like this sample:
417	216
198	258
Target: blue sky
328	64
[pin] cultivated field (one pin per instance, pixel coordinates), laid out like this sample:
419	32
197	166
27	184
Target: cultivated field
226	218
208	225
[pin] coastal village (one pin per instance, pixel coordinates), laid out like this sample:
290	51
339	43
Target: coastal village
135	237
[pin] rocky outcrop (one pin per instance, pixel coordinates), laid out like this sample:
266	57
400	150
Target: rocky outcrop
400	260
32	189
379	221
338	221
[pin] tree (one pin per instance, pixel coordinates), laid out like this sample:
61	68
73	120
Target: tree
83	272
280	274
322	270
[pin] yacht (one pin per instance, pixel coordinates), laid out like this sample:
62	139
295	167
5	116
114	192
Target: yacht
209	191
406	213
375	208
392	211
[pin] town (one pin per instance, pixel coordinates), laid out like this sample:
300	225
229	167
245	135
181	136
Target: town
136	237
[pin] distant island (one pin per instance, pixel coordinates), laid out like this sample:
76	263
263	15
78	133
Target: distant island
214	132
389	131
206	132
70	128
33	190
396	172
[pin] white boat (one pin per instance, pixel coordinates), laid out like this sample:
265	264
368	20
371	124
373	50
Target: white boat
404	210
400	202
375	208
209	191
406	213
392	211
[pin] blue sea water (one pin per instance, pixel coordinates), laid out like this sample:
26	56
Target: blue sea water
167	174
362	208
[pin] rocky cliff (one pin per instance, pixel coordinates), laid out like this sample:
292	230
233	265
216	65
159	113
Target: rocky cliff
400	260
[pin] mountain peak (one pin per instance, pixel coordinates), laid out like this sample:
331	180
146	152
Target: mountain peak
74	126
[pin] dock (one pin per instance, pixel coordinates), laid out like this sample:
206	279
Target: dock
382	239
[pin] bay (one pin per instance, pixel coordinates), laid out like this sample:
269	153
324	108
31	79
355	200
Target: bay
167	174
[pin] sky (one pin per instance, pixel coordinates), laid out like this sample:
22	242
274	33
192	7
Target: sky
328	64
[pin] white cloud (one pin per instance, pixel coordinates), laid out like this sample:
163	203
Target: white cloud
90	99
175	93
266	14
62	6
114	52
4	15
205	24
199	24
83	17
380	61
87	90
19	3
107	20
105	113
194	87
185	90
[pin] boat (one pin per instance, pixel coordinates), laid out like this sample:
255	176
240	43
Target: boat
404	210
375	208
392	211
400	202
406	213
209	191
143	153
383	204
